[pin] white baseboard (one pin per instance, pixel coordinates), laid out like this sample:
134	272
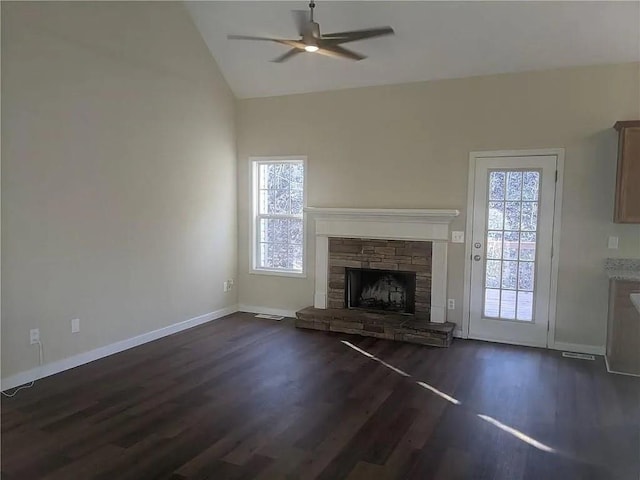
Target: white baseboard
566	347
75	361
270	311
578	348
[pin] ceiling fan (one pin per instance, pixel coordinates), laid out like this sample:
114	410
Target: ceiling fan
312	41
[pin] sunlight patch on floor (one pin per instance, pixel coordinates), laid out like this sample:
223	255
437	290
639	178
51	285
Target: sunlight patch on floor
373	357
349	344
448	398
517	433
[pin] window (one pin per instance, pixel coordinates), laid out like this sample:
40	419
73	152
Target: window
278	217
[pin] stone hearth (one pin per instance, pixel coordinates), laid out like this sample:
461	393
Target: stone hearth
386	325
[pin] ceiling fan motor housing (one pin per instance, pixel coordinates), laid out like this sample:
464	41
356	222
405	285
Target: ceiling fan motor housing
311	34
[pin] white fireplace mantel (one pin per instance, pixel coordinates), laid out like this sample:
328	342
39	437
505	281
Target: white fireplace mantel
434	214
387	224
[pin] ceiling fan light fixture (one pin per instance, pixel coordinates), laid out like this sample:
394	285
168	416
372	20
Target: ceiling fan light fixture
311	48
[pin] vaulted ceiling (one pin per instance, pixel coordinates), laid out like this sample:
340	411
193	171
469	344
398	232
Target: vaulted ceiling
434	40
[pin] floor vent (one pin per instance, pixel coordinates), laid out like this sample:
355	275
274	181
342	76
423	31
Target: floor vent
269	317
581	356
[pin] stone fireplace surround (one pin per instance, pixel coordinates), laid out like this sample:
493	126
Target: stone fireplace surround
356	233
397	255
412	225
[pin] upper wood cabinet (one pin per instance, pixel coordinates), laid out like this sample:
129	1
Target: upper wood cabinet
627	208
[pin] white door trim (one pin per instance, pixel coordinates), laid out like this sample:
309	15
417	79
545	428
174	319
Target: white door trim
557	220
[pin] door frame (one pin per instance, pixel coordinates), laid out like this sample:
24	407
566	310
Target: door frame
555	242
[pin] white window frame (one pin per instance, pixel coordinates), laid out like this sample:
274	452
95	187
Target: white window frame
254	163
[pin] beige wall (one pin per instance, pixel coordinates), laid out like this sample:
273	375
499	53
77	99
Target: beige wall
407	146
118	175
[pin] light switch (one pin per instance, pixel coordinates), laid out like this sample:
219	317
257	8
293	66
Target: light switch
457	237
613	243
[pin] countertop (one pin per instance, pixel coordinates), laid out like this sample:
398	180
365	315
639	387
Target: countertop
623	268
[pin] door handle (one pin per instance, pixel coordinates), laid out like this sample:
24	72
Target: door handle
477	258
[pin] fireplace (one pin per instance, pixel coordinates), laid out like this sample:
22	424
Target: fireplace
413	240
385	290
407	251
375	274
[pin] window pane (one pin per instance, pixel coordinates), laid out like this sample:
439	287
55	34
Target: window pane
509	275
527	246
514	185
511	245
273	175
295	231
530	185
297	173
262	256
494	245
512	216
496	215
263	175
496	185
295	257
508	304
525	306
274	230
274	202
296	202
530	216
277	256
263	201
277	176
281	201
492	279
491	303
525	276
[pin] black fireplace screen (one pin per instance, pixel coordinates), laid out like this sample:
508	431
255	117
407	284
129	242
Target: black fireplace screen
386	290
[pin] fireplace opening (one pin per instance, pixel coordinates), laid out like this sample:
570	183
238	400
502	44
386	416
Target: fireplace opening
386	290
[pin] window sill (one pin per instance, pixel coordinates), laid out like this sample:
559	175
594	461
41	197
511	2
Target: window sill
278	273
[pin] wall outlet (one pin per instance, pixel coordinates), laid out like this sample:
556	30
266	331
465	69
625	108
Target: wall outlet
613	243
34	336
457	237
75	325
227	285
451	304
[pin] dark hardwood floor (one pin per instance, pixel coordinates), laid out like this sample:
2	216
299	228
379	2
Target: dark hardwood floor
244	398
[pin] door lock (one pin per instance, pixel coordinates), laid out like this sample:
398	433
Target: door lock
477	245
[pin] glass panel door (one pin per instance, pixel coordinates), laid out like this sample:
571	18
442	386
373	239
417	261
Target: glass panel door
511	248
511	226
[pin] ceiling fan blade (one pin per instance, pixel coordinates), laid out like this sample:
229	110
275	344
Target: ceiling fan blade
352	36
301	18
287	55
337	51
283	41
248	37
